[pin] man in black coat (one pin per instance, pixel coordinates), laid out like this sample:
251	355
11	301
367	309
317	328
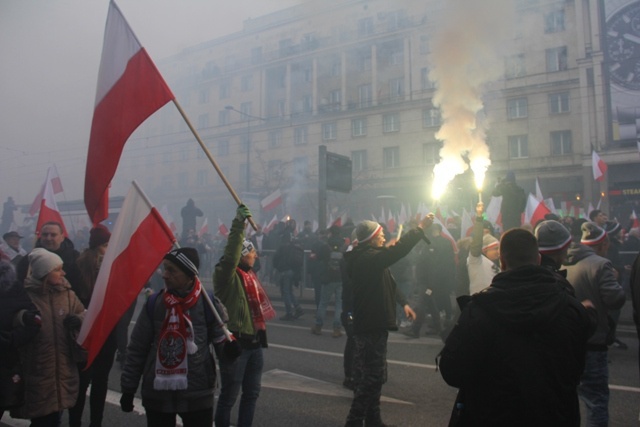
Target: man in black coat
514	201
518	349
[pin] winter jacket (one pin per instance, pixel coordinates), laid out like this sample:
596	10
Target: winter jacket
141	362
375	293
228	287
592	277
51	375
634	284
517	352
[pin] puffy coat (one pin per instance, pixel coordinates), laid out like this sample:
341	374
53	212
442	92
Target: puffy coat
51	375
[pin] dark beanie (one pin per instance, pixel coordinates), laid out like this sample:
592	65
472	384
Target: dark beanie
99	235
186	259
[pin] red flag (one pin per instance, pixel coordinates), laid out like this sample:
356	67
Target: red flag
535	210
139	240
272	201
391	223
204	229
48	207
222	229
130	89
56	184
634	219
599	167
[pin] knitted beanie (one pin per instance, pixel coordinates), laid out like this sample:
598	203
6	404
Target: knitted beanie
43	262
552	236
99	235
247	247
592	234
612	227
186	259
367	230
488	242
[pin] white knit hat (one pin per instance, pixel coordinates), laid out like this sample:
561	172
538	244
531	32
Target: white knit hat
366	230
43	262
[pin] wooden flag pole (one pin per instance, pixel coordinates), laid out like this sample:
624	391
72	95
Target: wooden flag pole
213	161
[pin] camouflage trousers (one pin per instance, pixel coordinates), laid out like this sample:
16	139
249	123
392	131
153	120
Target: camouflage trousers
370	372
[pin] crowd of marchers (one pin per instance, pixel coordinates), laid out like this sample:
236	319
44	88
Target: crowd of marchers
527	316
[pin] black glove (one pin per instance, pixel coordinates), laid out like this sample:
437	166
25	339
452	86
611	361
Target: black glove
126	402
242	213
72	322
31	319
231	349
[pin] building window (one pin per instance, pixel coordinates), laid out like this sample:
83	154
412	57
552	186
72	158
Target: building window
365	26
256	55
554	21
556	59
336	67
430	117
365	95
514	66
391	122
397	57
561	142
223	147
518	146
307	104
203	96
359	160
517	108
201	178
300	135
246	83
281	110
203	121
396	89
225	89
329	131
391	157
359	127
430	153
335	99
245	110
559	102
275	138
223	117
364	60
274	170
425	83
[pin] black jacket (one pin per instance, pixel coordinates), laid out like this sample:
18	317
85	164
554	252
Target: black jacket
518	352
374	290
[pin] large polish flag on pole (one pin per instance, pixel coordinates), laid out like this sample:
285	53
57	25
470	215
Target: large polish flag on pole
139	241
48	207
598	165
56	184
130	89
535	210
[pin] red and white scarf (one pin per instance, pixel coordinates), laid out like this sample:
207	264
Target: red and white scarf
176	341
259	304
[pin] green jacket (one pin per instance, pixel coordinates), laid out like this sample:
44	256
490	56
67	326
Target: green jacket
228	286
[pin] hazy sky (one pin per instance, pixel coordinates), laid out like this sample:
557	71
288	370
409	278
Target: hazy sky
50	53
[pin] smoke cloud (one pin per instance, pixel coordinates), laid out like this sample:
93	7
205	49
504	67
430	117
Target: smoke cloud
464	58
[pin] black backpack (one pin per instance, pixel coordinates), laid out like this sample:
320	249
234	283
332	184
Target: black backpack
333	266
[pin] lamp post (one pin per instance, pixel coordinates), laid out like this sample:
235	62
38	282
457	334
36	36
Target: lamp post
248	147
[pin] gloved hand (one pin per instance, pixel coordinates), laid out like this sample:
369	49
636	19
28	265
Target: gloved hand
72	322
126	402
242	213
31	319
231	349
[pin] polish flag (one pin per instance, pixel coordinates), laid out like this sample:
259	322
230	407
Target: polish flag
205	228
635	223
272	201
56	184
466	224
599	167
267	228
535	210
538	191
130	89
139	241
222	229
48	207
164	211
493	211
391	223
402	216
340	221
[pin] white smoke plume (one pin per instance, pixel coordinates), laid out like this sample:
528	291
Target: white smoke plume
465	56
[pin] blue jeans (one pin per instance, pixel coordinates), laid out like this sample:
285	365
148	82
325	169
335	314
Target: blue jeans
329	289
244	372
594	388
286	289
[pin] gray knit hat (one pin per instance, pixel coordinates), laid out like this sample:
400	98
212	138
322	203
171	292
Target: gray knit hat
488	241
366	230
552	236
592	234
43	262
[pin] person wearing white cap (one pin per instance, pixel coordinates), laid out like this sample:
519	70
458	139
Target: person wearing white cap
51	374
375	295
593	278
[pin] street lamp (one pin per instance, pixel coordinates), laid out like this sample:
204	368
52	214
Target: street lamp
248	148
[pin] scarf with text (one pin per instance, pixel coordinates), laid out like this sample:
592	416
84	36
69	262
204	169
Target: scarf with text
176	341
259	304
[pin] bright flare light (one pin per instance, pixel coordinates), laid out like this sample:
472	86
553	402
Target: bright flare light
479	167
443	173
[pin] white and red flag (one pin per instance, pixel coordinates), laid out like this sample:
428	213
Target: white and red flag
204	228
139	241
598	165
539	195
130	89
391	223
635	223
222	229
272	201
48	207
56	184
466	224
535	210
267	228
493	211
